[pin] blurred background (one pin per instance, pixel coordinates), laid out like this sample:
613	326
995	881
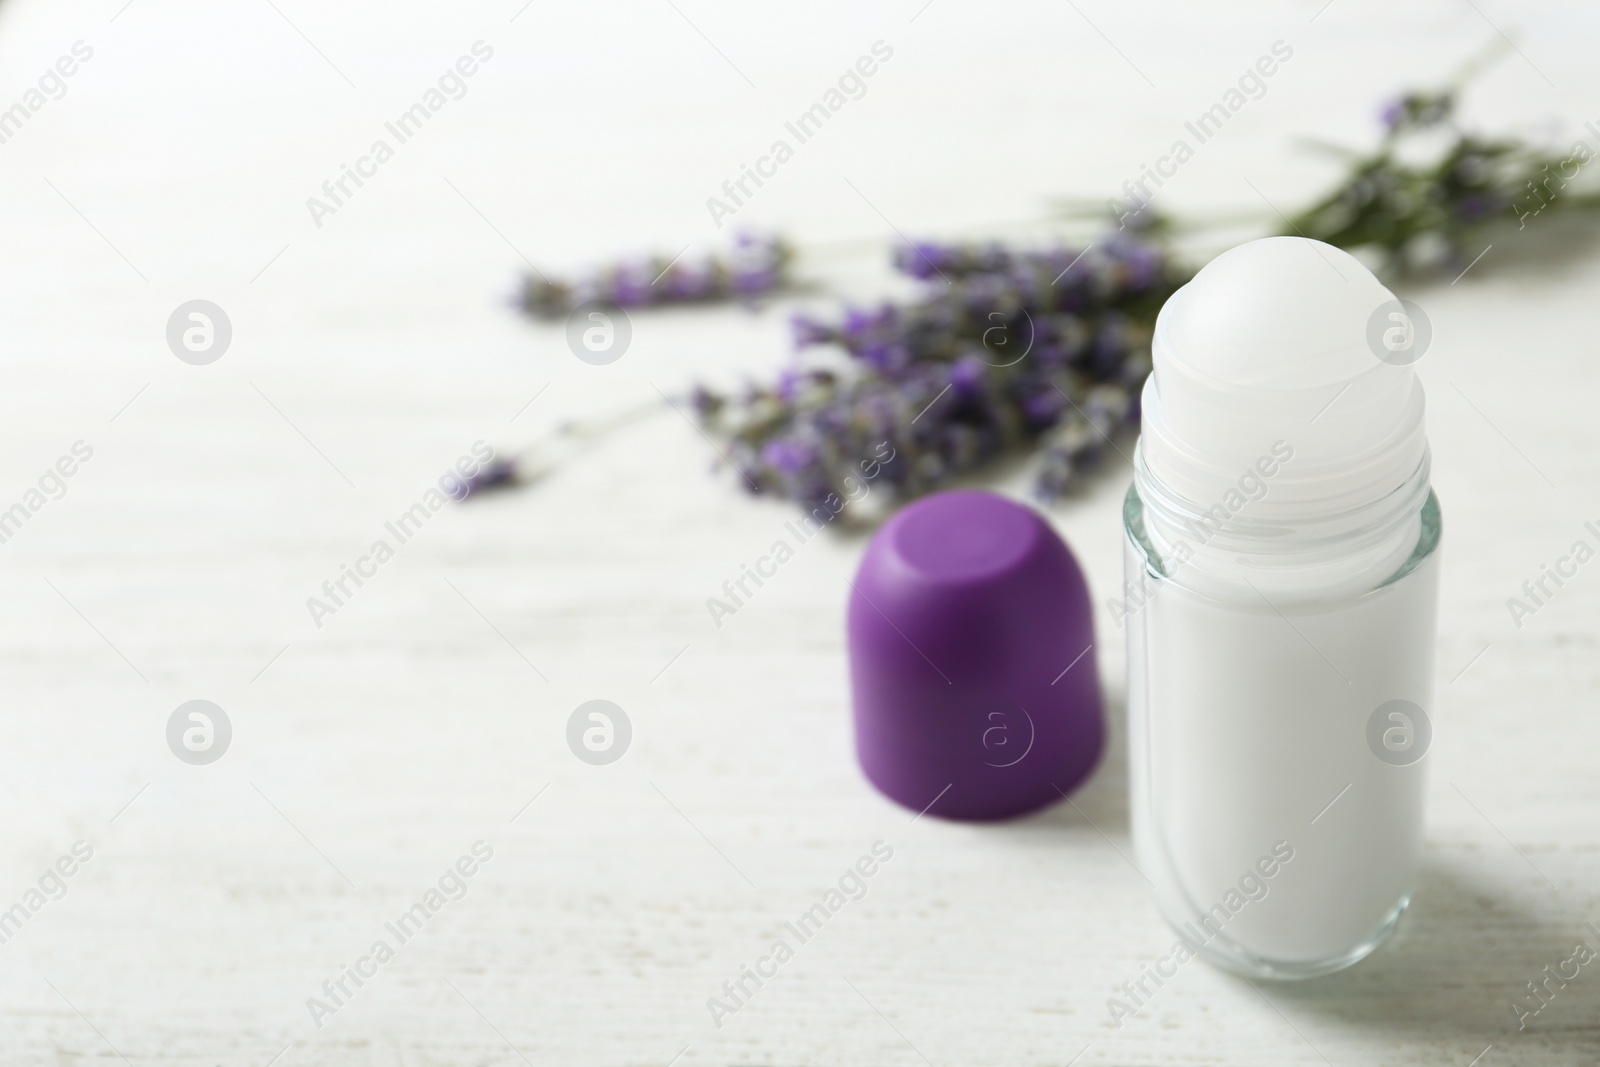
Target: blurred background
371	347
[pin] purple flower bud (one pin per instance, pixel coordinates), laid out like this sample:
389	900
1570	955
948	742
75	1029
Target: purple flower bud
630	289
967	375
919	260
1144	264
886	357
788	456
1044	406
858	322
496	474
807	331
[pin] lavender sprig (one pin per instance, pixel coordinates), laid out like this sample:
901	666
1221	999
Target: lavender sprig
756	265
1005	349
1419	216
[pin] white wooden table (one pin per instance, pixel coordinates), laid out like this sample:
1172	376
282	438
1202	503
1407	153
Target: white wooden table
369	754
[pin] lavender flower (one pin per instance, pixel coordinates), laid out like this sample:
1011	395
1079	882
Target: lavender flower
1005	349
755	266
498	473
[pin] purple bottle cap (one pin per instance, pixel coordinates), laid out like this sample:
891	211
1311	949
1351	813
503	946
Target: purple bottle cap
971	662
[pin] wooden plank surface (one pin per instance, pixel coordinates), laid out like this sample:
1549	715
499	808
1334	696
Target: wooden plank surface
429	712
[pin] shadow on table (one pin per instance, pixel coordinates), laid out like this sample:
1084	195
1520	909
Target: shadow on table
1462	953
1460	957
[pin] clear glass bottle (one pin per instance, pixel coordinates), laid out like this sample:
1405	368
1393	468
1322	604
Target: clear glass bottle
1280	635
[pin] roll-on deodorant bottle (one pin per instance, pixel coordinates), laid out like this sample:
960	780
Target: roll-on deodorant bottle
1282	575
